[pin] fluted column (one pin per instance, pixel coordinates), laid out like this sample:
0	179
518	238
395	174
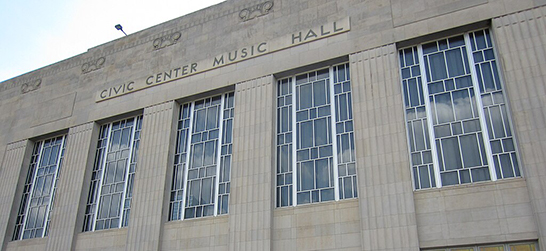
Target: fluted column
521	42
11	174
70	192
250	208
152	187
385	189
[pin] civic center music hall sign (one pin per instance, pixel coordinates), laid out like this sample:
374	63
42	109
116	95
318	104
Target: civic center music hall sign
227	58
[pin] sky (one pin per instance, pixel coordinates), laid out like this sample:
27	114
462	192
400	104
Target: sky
37	33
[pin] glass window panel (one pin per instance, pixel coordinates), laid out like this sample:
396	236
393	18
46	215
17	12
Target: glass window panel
200	120
303	155
455	62
470	151
489	55
304	198
307	136
321	132
456	41
496	76
463	82
197	155
415	71
406	93
464	176
442	131
506	164
471	126
406	73
325	151
305	96
452	155
523	247
496	146
480	174
284	196
436	87
437	66
322	173
508	145
343	111
210	153
408	55
449	178
320	93
419	137
444	108
496	120
497	248
429	48
488	78
478	57
457	128
207	190
424	175
480	40
307	175
416	159
413	92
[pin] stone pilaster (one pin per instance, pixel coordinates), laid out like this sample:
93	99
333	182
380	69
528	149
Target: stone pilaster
385	190
70	193
250	208
521	43
152	187
12	173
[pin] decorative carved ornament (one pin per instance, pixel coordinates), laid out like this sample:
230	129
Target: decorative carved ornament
167	40
31	86
256	11
93	65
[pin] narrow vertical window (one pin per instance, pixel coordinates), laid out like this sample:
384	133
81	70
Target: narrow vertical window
201	175
39	190
315	140
456	117
109	199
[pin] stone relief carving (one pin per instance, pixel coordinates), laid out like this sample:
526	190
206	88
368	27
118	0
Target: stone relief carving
31	86
256	11
167	40
93	65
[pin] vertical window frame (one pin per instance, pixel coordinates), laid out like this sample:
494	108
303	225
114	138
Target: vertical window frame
486	144
95	195
35	167
293	163
177	207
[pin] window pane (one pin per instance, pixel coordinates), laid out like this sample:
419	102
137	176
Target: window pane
452	155
437	66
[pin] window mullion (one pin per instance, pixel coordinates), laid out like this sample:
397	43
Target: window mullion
127	167
333	120
219	154
430	118
294	143
103	169
481	113
32	189
187	164
53	184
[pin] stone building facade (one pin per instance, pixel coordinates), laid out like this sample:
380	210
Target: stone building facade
287	125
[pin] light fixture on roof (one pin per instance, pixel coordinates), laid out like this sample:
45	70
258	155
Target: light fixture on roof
119	28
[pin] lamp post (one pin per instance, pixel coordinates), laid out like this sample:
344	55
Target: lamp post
119	28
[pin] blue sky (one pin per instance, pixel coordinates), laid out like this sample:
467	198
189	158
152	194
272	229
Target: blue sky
37	33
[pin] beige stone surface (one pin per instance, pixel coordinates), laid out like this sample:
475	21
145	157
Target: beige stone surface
388	215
